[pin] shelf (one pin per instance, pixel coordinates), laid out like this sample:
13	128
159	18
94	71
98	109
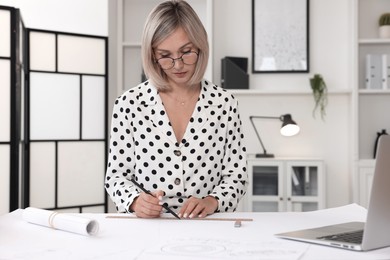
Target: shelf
374	91
284	92
367	162
369	105
373	41
131	44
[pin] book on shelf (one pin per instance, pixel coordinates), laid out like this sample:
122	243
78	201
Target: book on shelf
377	71
385	71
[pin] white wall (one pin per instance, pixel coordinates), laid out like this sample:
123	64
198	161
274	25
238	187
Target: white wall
330	43
330	55
75	16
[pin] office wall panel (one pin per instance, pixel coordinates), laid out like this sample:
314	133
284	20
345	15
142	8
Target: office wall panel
81	167
4	178
5	98
5	109
42	174
78	54
5	33
93	104
42	51
22	105
54	106
11	26
66	121
47	107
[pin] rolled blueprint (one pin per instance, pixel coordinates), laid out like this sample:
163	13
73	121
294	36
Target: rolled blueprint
62	221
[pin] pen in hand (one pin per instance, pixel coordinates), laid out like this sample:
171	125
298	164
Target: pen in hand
148	192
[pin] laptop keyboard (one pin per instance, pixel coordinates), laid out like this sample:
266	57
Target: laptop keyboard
355	237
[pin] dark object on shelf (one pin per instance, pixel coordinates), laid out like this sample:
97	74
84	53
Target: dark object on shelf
289	128
234	73
378	135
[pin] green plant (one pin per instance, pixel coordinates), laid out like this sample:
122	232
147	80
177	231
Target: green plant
320	94
384	19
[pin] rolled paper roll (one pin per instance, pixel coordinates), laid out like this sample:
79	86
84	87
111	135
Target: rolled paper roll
62	221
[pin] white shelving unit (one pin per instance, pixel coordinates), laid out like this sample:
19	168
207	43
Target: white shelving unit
130	19
285	185
371	105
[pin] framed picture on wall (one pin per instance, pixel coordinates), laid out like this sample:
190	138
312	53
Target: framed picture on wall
280	36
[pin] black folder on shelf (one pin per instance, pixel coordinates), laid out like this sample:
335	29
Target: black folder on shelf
234	73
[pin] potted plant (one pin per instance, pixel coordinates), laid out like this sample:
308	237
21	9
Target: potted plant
384	25
320	94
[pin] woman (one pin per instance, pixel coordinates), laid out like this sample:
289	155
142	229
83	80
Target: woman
177	135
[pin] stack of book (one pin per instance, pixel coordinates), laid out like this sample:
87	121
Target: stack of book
377	71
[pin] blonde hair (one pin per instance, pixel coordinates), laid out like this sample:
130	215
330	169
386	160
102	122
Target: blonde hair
164	19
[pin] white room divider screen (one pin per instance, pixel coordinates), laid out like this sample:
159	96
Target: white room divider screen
11	71
66	119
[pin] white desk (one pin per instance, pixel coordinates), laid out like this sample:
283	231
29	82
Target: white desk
180	239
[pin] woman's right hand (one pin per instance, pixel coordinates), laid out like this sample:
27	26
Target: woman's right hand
148	206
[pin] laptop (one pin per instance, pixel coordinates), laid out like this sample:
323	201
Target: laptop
360	236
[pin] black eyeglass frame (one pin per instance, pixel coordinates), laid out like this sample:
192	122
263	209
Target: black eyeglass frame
180	58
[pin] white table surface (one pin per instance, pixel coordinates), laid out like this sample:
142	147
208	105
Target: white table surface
181	239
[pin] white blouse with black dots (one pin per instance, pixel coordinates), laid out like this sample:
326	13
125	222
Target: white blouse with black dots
210	160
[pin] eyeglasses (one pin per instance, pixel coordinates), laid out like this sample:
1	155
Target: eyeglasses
188	58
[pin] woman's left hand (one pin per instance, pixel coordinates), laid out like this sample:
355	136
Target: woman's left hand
195	207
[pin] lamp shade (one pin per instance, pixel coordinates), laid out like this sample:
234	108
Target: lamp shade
289	127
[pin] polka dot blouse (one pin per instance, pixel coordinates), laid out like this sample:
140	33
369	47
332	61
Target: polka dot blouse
209	160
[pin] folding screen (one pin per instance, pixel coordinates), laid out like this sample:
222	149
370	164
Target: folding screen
11	68
66	121
5	108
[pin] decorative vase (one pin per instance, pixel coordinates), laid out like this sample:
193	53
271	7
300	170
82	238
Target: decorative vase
384	31
378	135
